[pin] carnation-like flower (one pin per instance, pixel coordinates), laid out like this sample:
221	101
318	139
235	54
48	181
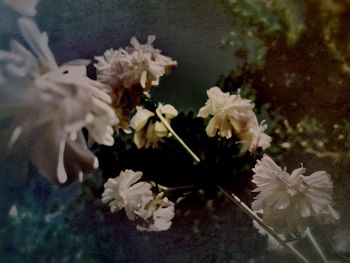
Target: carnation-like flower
56	102
230	113
148	131
124	191
253	136
140	64
289	201
156	215
132	72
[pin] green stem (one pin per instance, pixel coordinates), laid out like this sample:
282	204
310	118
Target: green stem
175	188
177	137
315	244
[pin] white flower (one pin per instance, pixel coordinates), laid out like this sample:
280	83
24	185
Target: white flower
57	103
138	65
124	191
131	73
230	113
24	7
156	215
289	201
253	136
149	132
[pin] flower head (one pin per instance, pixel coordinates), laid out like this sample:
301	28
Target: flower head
149	132
140	64
56	102
156	215
289	201
229	112
124	191
132	72
253	136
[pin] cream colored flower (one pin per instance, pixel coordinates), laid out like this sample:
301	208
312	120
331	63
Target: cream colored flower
289	201
140	64
253	136
131	73
149	132
230	113
156	215
124	191
57	103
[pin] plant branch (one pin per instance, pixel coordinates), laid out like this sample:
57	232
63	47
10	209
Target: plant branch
177	137
315	244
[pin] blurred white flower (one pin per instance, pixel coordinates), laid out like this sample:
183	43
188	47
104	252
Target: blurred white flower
156	215
56	102
148	131
230	113
124	191
24	7
289	201
253	136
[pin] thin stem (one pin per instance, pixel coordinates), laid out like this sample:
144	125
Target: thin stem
177	188
167	125
268	229
236	200
315	244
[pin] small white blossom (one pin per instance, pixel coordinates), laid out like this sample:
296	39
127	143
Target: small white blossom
124	191
230	113
289	201
253	136
140	64
149	132
131	73
156	215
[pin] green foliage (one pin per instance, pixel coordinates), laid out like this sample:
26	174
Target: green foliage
32	236
315	138
258	24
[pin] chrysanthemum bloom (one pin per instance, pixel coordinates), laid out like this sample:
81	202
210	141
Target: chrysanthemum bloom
230	113
156	215
55	103
148	131
124	191
289	201
253	136
132	72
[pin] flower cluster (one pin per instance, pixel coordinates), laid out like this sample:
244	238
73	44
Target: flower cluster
132	72
57	102
153	213
288	202
149	131
233	114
